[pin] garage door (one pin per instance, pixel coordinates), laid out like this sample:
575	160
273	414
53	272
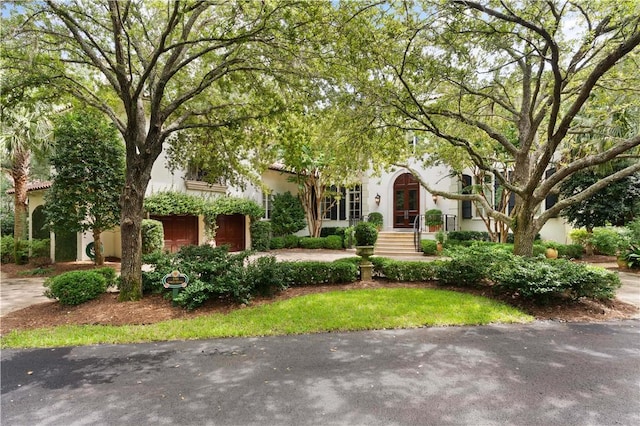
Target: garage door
178	231
231	231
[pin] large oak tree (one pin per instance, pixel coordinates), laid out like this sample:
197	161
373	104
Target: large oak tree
504	85
157	69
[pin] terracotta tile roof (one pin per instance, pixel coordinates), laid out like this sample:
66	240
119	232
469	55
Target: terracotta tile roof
34	186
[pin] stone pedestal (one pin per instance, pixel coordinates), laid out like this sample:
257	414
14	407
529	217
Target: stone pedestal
366	271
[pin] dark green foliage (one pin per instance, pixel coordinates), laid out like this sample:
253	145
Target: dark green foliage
109	275
75	287
162	264
471	266
276	243
40	248
6	222
399	270
429	247
89	163
366	234
291	241
614	204
311	243
6	249
264	276
167	203
310	273
287	214
376	219
333	242
152	236
632	256
468	236
511	238
433	217
607	241
545	280
260	235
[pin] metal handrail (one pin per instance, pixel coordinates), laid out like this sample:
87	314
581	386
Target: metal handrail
418	222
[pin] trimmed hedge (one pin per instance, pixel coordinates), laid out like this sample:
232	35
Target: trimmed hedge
276	243
312	242
468	236
76	287
399	270
333	242
152	236
291	241
260	235
312	273
429	247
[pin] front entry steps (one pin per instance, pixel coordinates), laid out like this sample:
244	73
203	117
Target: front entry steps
391	244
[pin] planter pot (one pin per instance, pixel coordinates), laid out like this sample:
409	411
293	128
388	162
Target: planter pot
551	253
365	251
434	228
622	264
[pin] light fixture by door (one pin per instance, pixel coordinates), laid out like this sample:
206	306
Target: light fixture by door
434	197
377	199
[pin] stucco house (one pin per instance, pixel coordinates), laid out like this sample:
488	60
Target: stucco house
395	194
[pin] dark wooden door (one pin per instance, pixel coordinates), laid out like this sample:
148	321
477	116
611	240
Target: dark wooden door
406	201
178	231
231	231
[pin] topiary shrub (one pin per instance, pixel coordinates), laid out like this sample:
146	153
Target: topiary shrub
75	287
291	241
366	234
429	247
276	243
152	236
312	242
376	219
287	214
260	235
333	242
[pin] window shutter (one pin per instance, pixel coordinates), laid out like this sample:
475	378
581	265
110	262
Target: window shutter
467	211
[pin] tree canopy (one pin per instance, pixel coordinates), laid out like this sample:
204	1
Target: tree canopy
489	85
89	174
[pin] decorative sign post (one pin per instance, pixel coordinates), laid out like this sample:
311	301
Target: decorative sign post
175	281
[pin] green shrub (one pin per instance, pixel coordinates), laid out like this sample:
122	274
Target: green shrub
40	248
470	266
277	243
291	241
376	219
632	256
311	273
7	220
543	280
429	247
152	236
566	251
161	264
312	242
634	230
287	214
109	275
580	236
6	249
433	217
333	242
260	235
349	237
366	234
468	236
75	287
264	276
400	270
607	241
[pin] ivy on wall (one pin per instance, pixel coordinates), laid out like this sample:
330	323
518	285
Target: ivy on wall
178	203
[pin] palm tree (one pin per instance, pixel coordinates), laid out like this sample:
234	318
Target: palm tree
25	133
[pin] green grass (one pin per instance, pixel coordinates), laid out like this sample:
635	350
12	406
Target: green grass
333	311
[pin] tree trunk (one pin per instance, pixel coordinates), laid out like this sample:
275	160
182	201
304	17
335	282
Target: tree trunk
97	246
588	246
20	175
524	233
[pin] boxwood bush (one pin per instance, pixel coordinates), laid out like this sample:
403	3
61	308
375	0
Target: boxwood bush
75	287
291	241
276	243
260	235
333	242
311	272
152	235
312	242
401	270
429	247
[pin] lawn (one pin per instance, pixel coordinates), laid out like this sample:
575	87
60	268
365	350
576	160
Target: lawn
374	309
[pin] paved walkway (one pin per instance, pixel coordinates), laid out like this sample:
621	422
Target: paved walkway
18	293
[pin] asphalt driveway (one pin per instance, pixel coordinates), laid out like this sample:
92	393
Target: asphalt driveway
544	373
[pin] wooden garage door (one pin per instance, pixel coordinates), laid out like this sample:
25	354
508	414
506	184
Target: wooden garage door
178	231
231	231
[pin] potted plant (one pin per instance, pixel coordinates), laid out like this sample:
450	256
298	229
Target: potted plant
551	252
366	236
433	219
440	237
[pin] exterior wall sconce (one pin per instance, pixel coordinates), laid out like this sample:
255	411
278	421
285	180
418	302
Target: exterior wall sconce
377	199
434	197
